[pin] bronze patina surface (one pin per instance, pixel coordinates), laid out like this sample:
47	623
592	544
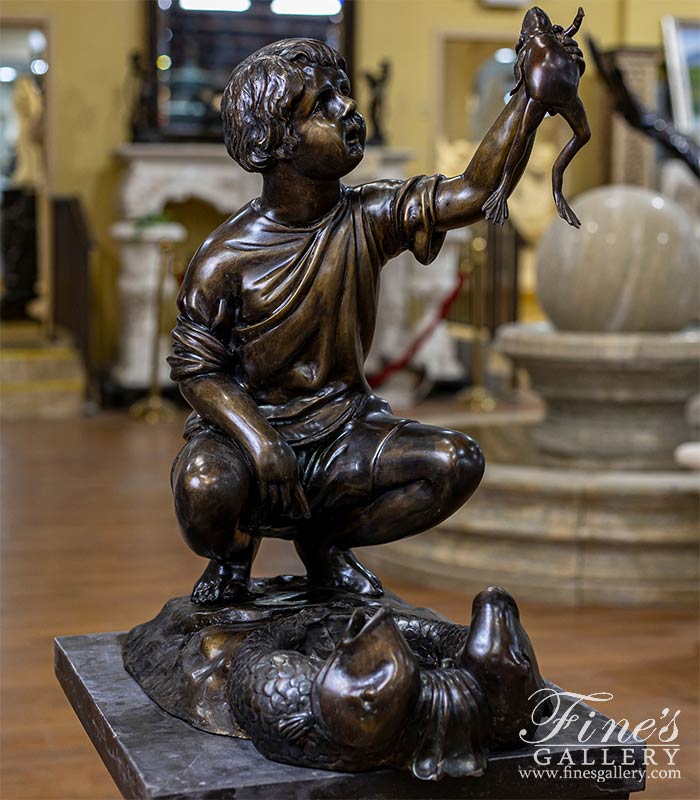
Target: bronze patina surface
340	681
547	71
377	82
276	315
675	143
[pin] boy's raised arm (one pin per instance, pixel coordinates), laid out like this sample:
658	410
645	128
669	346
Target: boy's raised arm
459	200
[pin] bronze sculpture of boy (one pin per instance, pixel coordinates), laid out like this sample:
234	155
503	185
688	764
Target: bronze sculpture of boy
276	316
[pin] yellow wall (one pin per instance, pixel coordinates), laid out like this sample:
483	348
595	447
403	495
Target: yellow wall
89	46
407	33
90	41
640	18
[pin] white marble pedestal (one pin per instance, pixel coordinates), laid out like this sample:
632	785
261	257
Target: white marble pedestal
141	254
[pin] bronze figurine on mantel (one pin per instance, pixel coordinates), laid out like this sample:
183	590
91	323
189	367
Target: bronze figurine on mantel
276	316
377	83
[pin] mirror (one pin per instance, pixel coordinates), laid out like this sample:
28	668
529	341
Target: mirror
193	46
25	234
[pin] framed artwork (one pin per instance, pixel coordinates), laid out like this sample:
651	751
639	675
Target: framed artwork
682	48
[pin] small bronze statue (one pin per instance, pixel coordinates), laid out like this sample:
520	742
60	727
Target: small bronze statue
377	83
276	316
394	690
547	71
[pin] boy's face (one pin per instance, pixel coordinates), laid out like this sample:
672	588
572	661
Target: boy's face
331	132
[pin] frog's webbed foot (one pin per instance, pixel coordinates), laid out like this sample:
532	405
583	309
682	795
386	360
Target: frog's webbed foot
566	213
496	207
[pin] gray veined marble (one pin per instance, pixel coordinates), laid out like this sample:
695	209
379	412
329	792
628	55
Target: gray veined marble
151	755
614	400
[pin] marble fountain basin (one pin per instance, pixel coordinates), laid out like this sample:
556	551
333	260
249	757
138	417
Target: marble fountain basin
560	534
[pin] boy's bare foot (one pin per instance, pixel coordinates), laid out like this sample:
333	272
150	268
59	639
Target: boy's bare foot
221	582
339	569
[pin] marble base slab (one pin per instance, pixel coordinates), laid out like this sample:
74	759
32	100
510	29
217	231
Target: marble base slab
151	754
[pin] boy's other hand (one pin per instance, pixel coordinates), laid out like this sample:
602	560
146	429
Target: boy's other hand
277	471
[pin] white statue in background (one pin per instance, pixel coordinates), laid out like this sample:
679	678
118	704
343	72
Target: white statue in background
28	100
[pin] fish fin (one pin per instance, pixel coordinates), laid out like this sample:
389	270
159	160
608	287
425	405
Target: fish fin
296	727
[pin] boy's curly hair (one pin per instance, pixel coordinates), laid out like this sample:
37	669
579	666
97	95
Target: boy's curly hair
257	103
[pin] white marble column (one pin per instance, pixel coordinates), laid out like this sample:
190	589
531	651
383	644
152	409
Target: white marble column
141	253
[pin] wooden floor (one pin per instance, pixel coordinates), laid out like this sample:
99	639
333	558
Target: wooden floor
89	543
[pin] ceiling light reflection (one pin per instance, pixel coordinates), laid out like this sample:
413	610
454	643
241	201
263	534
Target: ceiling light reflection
320	8
39	66
215	5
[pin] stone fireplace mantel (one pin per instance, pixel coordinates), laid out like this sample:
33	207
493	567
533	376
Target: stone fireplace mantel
157	174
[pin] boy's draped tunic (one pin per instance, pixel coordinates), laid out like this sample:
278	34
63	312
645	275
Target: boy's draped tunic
288	313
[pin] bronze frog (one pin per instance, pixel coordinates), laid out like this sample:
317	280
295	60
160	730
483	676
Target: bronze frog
548	68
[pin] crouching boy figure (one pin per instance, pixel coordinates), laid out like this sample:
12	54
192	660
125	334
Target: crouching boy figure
276	316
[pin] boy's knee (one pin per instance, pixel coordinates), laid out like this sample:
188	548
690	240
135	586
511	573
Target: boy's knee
208	486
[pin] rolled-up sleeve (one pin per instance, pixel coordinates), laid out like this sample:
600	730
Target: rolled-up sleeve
414	217
400	215
200	337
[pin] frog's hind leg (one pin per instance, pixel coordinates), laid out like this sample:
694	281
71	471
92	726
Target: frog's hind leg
575	26
496	206
575	114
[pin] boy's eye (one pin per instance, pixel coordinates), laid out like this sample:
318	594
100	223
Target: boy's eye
322	100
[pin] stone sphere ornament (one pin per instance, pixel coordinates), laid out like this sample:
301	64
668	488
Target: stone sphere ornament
634	266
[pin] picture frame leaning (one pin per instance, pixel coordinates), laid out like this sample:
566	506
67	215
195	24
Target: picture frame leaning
682	49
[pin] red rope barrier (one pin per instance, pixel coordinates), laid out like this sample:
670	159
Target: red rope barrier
381	377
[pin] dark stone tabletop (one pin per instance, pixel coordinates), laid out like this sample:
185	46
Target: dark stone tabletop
151	754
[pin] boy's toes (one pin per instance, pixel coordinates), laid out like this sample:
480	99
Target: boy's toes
345	572
206	592
218	584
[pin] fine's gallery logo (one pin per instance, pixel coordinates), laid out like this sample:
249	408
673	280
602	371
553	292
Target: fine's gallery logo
571	740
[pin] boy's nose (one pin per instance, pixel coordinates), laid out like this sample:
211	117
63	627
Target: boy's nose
348	105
